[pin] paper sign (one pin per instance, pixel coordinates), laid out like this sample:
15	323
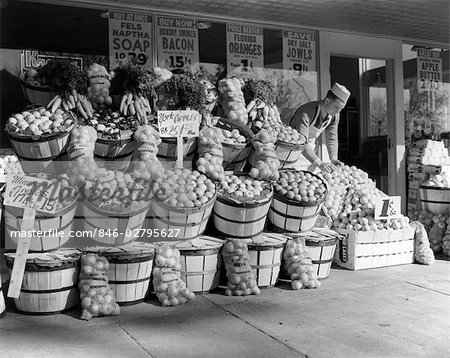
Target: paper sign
24	191
429	70
388	207
173	124
299	50
245	46
130	36
177	42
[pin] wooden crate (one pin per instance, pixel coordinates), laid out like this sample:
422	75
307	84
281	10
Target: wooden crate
359	250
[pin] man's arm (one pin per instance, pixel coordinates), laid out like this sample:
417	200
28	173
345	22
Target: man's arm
301	121
332	139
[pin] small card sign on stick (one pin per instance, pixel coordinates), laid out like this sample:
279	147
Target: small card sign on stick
179	124
388	207
30	194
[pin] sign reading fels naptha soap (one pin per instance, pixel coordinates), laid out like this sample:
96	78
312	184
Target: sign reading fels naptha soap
245	46
130	36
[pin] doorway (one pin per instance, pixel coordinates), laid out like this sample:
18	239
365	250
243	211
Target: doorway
363	122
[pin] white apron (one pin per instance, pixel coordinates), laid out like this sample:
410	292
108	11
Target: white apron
302	163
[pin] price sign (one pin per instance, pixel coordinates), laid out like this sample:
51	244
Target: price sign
177	43
388	207
299	50
179	123
245	46
429	70
130	37
24	191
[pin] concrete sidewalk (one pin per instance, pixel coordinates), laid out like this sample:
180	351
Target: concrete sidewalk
401	311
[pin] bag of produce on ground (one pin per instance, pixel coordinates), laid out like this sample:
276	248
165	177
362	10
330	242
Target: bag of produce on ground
170	289
147	166
241	280
97	297
446	240
210	153
436	233
263	158
231	99
99	83
298	264
422	251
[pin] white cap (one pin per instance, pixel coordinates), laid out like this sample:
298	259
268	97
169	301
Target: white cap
340	92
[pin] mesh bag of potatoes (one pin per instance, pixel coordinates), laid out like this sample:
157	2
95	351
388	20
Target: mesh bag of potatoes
423	253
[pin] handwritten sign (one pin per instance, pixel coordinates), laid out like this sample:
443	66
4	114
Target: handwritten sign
179	124
429	70
177	42
299	50
28	192
388	207
130	37
245	46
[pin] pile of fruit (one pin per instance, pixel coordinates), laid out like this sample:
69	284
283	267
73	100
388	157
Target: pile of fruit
439	180
298	265
10	165
147	166
423	216
184	188
169	287
67	192
301	186
231	99
233	136
97	298
263	159
40	122
210	153
241	280
244	188
446	240
428	152
118	191
111	124
33	78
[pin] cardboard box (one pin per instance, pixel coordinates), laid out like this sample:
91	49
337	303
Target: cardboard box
360	250
420	168
418	176
413	194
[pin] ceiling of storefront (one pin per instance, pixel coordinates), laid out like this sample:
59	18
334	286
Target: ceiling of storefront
424	21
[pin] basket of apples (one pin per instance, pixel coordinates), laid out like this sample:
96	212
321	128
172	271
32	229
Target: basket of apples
236	145
435	193
297	200
35	88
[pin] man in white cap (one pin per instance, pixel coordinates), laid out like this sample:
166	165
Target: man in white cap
312	118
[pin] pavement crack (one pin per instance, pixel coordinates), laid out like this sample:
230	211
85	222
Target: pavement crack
427	288
227	311
134	339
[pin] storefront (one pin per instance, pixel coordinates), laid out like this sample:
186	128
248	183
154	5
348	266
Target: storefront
399	94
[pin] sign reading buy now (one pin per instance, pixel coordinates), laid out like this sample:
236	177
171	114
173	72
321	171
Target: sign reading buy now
28	192
177	124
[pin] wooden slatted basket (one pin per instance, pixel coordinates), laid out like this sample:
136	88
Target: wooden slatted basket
436	200
167	152
187	223
241	219
288	153
265	253
115	154
130	267
200	263
126	224
40	96
49	283
293	216
55	227
235	155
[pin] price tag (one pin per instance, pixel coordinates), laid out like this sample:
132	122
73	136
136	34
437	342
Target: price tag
388	207
174	124
28	192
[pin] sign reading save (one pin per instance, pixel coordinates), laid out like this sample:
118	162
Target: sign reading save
177	124
28	192
388	207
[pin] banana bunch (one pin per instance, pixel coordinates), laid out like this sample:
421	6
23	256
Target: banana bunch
262	114
132	104
72	100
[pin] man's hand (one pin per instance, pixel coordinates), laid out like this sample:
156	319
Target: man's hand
337	163
327	167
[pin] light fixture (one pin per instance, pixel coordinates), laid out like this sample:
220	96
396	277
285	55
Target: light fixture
104	15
